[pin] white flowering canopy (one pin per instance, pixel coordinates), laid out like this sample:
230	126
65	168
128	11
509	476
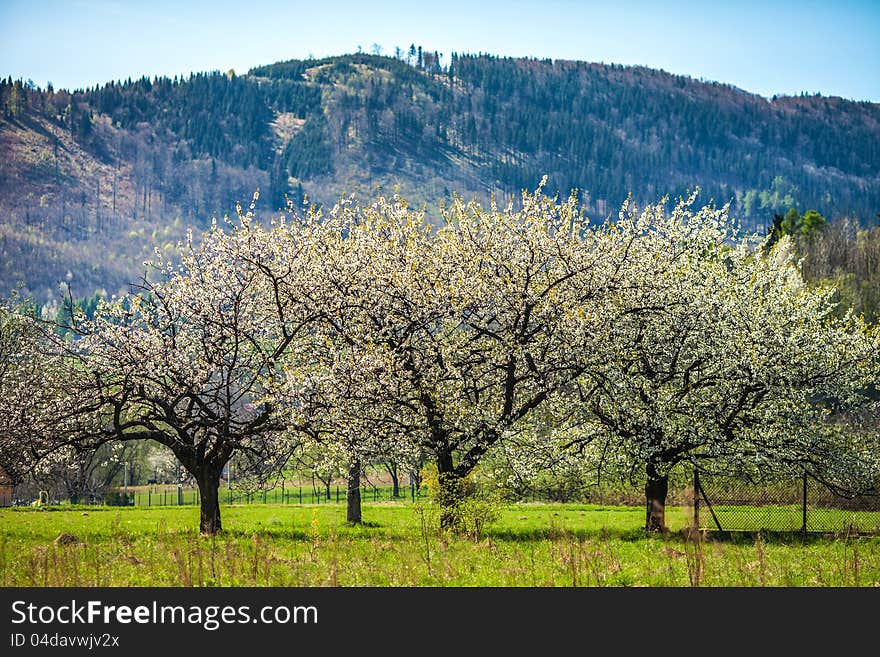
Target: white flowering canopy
661	338
724	358
44	405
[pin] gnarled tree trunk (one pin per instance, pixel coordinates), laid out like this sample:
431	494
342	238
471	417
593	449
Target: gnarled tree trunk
208	480
449	493
656	489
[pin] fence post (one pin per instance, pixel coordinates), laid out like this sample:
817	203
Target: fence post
696	499
804	528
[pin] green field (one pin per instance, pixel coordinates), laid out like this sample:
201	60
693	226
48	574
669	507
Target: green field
779	517
399	545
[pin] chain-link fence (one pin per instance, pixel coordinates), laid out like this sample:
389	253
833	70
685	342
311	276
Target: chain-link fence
729	504
798	504
189	495
711	502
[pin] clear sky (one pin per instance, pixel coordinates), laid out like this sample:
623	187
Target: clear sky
767	47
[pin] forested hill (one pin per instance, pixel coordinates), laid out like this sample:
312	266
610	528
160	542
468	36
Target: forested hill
90	181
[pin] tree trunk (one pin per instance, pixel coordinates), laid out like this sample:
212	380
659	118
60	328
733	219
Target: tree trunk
415	478
391	466
656	489
208	481
353	492
449	491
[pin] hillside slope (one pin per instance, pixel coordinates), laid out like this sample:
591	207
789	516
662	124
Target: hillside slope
91	181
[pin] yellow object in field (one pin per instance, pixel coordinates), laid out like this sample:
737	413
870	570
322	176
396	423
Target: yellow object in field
39	501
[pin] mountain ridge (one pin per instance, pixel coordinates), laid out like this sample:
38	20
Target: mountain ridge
93	179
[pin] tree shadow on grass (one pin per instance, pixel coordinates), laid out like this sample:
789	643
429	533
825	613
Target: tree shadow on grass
288	533
528	535
771	537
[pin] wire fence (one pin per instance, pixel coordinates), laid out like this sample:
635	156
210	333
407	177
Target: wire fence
187	495
727	504
800	504
709	502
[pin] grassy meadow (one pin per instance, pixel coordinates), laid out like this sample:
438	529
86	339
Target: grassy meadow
399	545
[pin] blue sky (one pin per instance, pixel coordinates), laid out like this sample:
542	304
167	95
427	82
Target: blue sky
771	47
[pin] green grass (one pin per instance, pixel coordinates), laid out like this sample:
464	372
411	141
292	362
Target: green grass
399	545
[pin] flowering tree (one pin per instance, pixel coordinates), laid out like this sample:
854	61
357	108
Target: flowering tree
449	339
18	379
660	339
323	405
42	405
723	357
185	361
330	396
